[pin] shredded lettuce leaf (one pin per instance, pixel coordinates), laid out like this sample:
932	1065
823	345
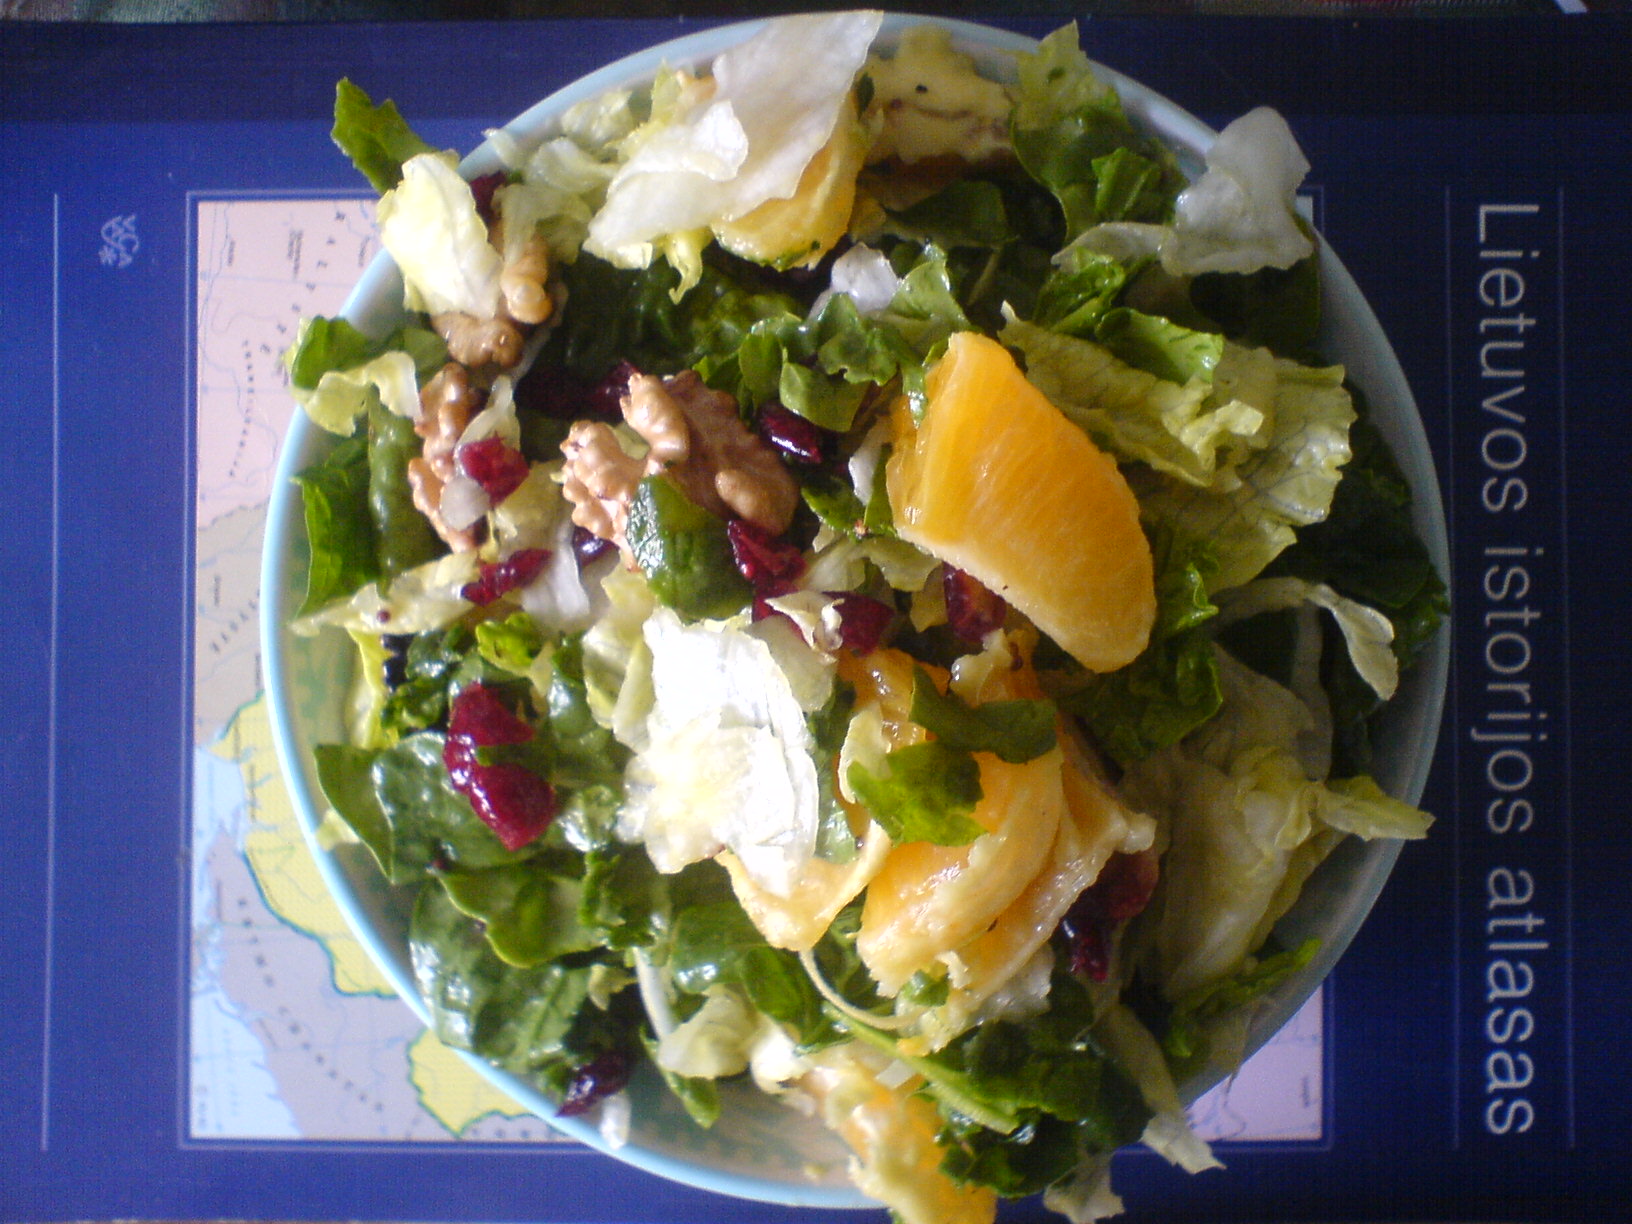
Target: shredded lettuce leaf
1189	431
1286	484
1014	731
429	224
715	151
1071	134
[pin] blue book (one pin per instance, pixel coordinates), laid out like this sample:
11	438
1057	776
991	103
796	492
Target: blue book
190	1031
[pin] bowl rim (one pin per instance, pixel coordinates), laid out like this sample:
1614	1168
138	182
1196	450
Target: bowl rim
374	303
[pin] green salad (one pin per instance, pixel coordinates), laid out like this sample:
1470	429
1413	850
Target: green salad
864	585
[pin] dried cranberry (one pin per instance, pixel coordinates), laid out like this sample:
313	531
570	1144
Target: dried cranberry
588	547
480	716
1121	892
791	434
483	188
510	799
972	609
770	564
601	1077
1126	883
1087	933
495	465
605	399
513	801
514	571
549	391
862	621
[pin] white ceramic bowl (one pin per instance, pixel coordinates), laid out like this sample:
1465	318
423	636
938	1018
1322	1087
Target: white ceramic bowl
760	1149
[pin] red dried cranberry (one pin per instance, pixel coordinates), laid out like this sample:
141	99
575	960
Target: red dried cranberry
510	799
513	801
514	571
596	1080
550	391
483	188
770	564
862	621
1121	892
1087	932
588	547
791	434
972	609
605	399
1126	883
459	756
495	465
480	716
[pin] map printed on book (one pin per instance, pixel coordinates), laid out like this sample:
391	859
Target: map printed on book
293	1033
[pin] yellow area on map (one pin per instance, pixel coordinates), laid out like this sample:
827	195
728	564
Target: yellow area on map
277	854
451	1090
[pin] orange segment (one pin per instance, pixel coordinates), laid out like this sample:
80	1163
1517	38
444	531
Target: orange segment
797	231
892	1132
883	681
819	891
996	481
1095	825
927	900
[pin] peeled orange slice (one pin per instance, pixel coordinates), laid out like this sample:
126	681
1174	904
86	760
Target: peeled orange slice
797	231
996	481
926	900
892	1131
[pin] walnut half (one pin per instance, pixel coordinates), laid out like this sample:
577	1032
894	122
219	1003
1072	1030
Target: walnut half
696	438
477	342
599	480
721	465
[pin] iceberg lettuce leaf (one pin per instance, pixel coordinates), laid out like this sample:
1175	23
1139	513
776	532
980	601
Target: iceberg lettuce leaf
430	225
1359	806
1288	483
1368	634
1368	549
1177	429
1238	217
716	149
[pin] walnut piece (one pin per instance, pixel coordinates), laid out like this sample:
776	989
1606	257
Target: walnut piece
722	467
696	439
446	404
479	342
654	415
525	282
600	480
